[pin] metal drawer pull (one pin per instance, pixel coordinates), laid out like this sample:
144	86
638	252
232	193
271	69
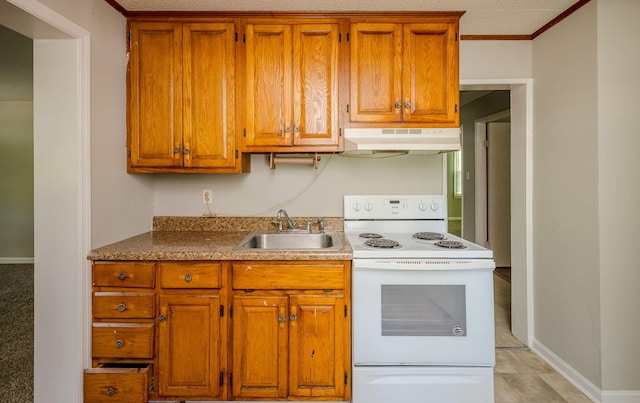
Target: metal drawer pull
407	105
122	307
187	278
111	391
293	316
162	317
119	343
122	276
281	318
397	104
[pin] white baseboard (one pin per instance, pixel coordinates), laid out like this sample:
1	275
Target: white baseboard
574	377
16	260
583	384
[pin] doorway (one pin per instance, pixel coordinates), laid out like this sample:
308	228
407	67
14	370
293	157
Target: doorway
521	145
493	185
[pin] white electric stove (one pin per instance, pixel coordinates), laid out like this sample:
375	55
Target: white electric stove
423	328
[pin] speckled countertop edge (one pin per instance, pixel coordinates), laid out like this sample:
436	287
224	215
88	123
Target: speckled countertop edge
214	238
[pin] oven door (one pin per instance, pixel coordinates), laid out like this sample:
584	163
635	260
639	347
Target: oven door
423	312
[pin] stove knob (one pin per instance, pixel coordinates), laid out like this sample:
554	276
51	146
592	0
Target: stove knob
435	206
368	206
422	206
356	206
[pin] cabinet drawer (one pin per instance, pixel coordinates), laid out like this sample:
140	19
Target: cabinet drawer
123	305
290	276
190	275
117	384
127	274
122	340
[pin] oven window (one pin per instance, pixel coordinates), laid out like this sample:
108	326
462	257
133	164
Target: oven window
424	310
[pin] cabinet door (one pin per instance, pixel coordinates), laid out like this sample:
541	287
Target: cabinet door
155	95
317	340
376	72
431	88
189	346
315	84
208	89
260	332
268	85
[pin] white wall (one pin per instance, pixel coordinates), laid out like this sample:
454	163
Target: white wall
302	190
565	211
619	193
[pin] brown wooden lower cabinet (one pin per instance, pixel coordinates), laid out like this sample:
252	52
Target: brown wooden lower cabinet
117	383
288	346
207	331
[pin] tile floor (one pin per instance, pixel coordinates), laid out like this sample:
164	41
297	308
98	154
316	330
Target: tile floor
521	376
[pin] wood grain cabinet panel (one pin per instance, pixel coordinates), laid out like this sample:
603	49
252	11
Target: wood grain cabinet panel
181	97
189	349
260	346
117	384
292	87
124	274
405	72
122	340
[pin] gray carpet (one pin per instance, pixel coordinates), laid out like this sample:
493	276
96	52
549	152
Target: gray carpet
16	333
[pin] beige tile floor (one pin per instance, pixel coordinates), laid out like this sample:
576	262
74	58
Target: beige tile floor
521	376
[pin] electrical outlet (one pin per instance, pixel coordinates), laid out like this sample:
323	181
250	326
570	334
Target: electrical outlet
207	196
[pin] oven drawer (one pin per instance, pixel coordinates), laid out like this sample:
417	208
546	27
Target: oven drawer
114	383
127	274
190	275
123	305
288	276
122	340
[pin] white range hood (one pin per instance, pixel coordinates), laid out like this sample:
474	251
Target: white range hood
406	140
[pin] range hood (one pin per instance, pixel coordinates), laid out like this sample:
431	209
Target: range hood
405	140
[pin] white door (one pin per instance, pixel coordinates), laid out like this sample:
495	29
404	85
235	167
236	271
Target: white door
499	192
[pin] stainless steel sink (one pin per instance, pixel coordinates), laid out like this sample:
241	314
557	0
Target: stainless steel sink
291	240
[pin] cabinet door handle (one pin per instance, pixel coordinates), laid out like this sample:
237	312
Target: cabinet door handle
397	104
162	317
185	151
407	105
122	307
176	150
281	318
293	317
287	129
296	129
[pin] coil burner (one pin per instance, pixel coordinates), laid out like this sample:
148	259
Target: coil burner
370	235
382	243
450	244
429	236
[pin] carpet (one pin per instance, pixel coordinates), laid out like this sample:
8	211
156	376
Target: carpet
16	333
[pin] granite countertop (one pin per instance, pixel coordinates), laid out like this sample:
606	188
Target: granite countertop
214	238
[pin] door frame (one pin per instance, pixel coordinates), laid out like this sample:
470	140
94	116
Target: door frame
62	196
480	135
521	100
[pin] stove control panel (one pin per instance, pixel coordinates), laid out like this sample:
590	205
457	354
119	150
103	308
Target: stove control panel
395	207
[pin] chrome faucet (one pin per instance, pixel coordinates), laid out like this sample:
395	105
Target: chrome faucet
283	213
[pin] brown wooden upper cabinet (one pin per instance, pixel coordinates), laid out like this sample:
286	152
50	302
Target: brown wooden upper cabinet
405	72
181	97
292	86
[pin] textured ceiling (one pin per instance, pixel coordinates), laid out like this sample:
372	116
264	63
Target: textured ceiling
482	17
